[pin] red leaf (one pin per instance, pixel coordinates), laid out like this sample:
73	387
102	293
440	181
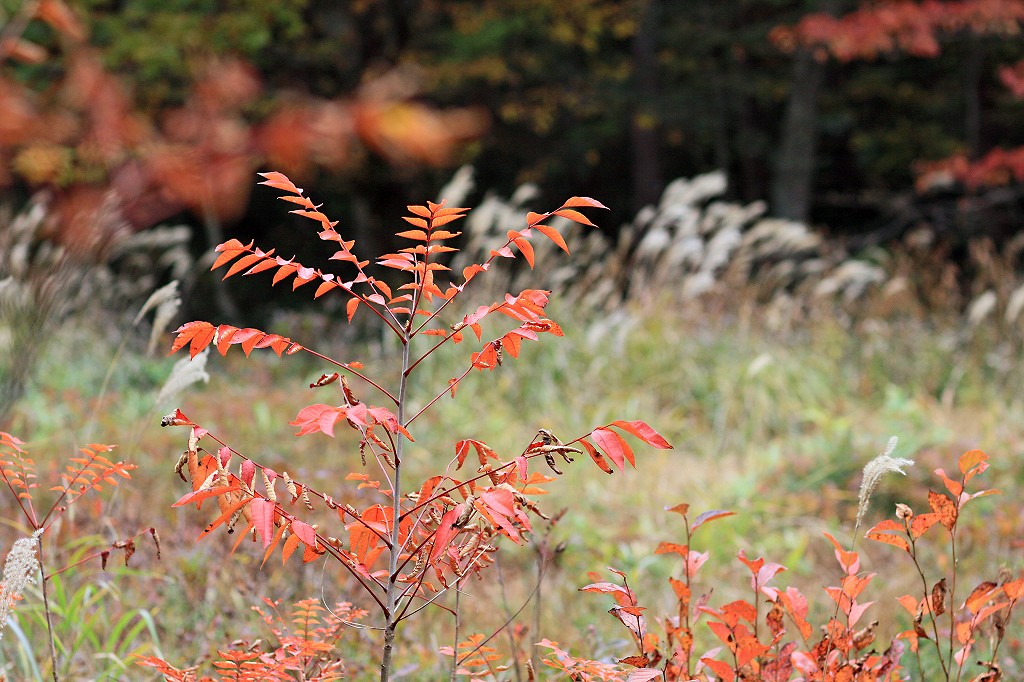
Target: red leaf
522	468
644	432
304	532
710	515
263	512
315	418
247	472
445	532
614	446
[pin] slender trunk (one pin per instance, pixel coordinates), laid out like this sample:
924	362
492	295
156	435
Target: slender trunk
972	94
793	181
46	610
646	171
393	593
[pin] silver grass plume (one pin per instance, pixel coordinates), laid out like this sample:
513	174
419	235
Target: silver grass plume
185	372
20	570
167	301
873	472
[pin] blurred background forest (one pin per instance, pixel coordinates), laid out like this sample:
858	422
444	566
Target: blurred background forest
862	126
859	165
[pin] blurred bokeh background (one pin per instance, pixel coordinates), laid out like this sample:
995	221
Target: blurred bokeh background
815	242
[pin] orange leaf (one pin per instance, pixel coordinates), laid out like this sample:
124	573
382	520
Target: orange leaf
200	495
575	216
598	458
921	523
970	459
552	234
944	507
241	264
290	546
584	201
324	288
894	540
720	668
527	249
279	181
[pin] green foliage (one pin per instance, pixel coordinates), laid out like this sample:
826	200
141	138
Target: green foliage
160	44
96	632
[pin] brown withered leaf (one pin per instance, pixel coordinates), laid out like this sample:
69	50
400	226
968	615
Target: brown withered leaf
939	597
775	619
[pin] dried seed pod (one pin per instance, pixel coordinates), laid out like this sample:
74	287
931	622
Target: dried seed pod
324	380
489	470
233	520
269	485
466	513
863	638
182	461
549	458
208	483
156	541
470	546
421	563
350	397
289	485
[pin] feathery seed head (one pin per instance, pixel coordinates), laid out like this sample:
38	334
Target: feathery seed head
873	472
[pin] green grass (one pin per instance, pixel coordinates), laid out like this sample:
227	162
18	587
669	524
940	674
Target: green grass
775	425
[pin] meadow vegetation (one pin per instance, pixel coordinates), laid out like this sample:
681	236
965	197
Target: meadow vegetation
773	423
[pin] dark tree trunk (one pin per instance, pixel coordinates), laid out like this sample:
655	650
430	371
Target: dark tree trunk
644	144
972	94
793	180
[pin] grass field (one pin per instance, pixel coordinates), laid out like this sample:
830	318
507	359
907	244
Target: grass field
772	423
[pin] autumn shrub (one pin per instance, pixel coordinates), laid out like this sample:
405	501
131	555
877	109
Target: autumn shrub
71	615
412	543
951	631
